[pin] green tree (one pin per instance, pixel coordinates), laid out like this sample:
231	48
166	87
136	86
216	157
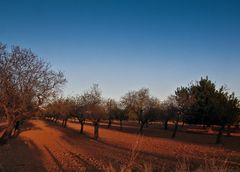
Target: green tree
185	101
226	111
203	91
202	103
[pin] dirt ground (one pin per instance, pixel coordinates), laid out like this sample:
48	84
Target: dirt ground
45	146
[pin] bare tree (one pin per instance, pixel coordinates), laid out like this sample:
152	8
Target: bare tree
66	110
95	110
114	110
80	109
111	106
141	104
170	109
121	115
26	83
51	111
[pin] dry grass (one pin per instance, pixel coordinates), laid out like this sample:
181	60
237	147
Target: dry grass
208	165
183	165
134	154
131	165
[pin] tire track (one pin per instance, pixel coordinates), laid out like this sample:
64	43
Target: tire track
91	164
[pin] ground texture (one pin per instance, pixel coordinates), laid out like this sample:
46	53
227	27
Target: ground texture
46	146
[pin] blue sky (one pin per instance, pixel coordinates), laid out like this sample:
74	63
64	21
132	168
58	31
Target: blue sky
125	45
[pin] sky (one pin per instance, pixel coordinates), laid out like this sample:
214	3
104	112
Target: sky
126	45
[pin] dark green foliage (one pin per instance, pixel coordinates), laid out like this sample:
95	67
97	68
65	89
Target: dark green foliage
202	103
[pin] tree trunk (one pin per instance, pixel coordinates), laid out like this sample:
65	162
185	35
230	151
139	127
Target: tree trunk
56	119
209	129
166	124
219	136
65	122
141	126
183	124
109	123
96	127
81	127
120	124
175	128
7	133
229	131
147	124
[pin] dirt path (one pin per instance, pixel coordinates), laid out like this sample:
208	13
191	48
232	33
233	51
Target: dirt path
45	146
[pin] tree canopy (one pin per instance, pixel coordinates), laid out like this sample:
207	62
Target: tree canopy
203	103
26	83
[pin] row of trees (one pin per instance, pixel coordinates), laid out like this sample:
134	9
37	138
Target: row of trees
200	103
90	105
138	105
28	87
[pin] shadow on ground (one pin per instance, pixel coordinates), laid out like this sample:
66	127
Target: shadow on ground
21	156
183	134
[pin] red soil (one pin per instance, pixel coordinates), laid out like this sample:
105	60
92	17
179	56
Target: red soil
44	146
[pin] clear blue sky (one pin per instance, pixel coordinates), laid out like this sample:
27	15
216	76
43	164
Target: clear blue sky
125	45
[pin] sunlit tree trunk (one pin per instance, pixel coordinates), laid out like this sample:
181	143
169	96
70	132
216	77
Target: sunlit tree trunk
183	124
96	129
56	119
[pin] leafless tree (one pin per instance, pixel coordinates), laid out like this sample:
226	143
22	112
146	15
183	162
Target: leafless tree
95	110
80	110
111	106
114	110
26	83
169	110
61	109
141	104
